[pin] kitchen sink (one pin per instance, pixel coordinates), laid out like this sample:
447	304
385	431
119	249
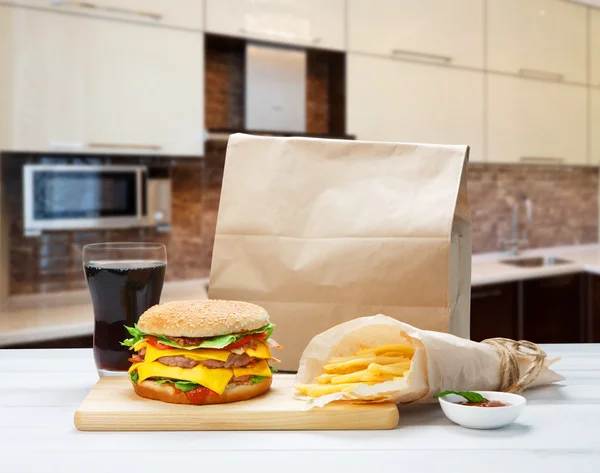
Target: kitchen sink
536	262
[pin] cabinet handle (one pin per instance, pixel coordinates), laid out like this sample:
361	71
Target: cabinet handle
124	146
418	54
92	6
482	295
278	34
535	74
541	160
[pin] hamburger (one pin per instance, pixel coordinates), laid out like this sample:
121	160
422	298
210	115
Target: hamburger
201	352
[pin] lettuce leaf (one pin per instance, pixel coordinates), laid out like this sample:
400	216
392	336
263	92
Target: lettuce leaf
189	385
183	385
214	342
136	335
134	376
258	379
218	342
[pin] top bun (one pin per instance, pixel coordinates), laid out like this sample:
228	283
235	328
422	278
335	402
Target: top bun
206	318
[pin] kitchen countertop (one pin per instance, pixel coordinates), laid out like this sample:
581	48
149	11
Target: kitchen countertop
42	317
487	269
41	389
38	318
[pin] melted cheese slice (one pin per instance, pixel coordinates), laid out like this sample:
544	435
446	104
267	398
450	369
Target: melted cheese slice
134	366
261	351
258	369
213	379
153	353
139	345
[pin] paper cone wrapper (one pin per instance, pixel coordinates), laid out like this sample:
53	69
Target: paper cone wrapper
441	361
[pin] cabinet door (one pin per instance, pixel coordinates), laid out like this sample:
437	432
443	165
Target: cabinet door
541	38
5	78
594	47
536	121
49	86
313	23
145	88
179	13
594	126
389	100
447	32
553	309
593	322
494	311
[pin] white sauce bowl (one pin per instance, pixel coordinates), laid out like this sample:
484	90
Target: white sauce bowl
474	417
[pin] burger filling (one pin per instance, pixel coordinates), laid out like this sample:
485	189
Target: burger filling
201	366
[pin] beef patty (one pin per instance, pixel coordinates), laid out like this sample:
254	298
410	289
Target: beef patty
233	361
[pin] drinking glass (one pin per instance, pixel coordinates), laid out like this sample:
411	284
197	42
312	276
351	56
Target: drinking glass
124	279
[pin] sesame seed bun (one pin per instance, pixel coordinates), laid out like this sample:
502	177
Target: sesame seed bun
206	318
168	393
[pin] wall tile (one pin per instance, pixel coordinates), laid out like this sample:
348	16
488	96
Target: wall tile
565	204
565	212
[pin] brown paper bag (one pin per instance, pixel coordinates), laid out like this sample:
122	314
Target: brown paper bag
323	231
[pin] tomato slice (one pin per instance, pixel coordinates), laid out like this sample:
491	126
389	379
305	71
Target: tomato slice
155	343
198	395
239	343
246	339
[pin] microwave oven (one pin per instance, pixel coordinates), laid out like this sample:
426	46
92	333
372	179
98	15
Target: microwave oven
79	197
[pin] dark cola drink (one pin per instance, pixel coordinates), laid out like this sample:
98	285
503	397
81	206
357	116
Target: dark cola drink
121	292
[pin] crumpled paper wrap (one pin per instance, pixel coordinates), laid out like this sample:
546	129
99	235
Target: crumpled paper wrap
441	361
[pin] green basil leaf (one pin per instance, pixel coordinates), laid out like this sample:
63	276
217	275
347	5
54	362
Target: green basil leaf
468	395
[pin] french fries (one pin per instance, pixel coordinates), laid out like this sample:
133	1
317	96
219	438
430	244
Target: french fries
345	367
325	378
395	369
367	366
406	349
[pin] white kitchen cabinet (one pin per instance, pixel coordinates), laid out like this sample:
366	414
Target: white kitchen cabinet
313	23
594	47
536	122
544	39
390	100
146	88
49	83
85	84
5	78
595	127
446	32
175	13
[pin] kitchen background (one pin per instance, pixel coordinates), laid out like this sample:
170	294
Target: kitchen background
163	83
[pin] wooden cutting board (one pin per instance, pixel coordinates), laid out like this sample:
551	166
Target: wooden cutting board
112	405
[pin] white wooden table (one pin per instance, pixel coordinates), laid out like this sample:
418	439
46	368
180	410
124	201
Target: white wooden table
40	390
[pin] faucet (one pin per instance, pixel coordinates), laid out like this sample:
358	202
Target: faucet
519	241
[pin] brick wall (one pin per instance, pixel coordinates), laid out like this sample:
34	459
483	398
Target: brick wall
565	204
52	262
565	201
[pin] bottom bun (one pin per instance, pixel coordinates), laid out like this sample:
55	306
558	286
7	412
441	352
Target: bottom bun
166	392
